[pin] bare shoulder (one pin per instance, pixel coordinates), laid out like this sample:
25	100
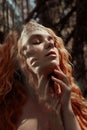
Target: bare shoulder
32	117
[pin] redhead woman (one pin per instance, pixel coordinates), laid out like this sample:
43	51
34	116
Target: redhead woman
37	90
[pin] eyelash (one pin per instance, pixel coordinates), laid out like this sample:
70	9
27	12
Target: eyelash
40	41
36	43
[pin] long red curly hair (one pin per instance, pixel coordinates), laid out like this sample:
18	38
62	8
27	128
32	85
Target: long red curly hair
79	103
12	93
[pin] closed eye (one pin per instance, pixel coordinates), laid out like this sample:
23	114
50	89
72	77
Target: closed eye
36	42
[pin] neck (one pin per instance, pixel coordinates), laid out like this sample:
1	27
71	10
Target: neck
40	85
44	85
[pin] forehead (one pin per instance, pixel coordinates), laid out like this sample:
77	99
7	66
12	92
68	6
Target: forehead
33	34
39	32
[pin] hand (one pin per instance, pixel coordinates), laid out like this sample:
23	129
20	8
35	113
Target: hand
45	96
65	88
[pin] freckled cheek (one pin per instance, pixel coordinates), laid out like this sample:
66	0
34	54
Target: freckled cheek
37	53
35	57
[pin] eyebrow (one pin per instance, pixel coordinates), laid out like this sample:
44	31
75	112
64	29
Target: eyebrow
35	36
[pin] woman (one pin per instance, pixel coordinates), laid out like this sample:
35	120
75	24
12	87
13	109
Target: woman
37	90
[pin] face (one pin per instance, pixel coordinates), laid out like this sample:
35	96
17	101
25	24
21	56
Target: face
40	51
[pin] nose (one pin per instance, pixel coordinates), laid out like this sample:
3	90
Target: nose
49	43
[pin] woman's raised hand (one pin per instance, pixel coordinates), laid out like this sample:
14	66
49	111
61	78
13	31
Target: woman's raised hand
62	82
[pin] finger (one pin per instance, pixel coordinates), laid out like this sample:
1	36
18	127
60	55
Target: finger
57	88
55	101
61	83
58	68
61	76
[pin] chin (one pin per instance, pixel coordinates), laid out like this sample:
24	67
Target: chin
52	66
49	68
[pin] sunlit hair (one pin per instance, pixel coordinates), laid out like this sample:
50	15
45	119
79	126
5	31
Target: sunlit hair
12	94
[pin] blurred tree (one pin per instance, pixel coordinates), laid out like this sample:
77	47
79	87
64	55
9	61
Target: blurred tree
80	41
58	15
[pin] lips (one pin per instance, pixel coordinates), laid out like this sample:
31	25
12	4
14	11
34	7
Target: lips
51	53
